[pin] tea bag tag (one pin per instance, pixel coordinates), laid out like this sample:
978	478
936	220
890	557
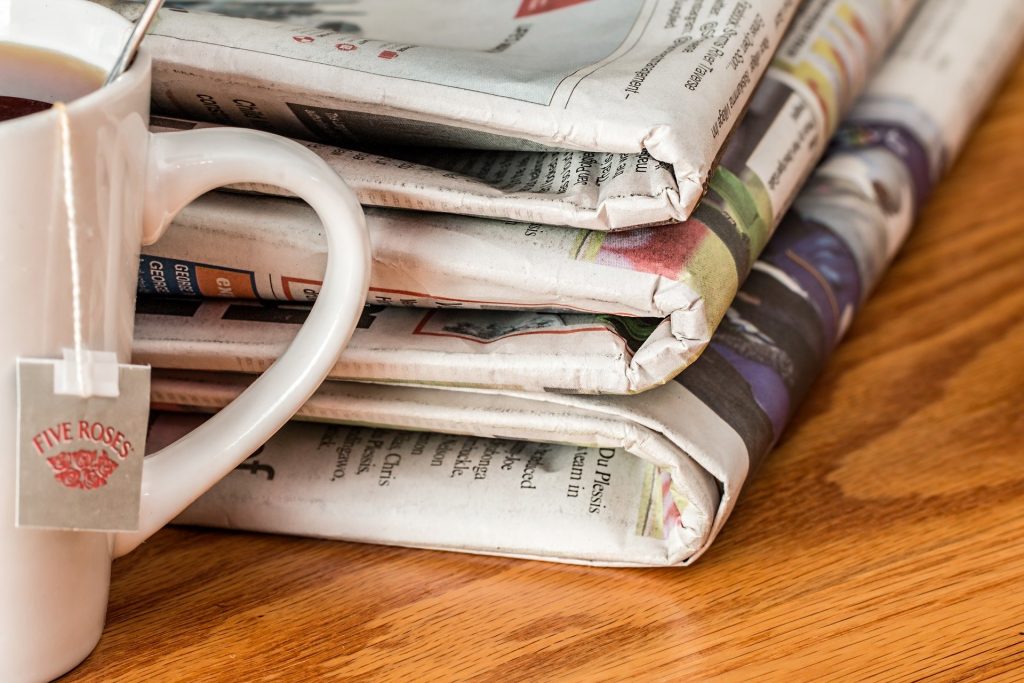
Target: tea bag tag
80	442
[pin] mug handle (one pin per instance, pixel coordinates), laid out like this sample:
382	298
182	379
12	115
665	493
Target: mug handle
182	166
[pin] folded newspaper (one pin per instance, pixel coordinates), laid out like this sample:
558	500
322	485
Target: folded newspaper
648	479
662	81
684	274
601	191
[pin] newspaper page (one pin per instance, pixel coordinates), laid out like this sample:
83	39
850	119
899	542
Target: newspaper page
684	274
655	475
666	80
593	190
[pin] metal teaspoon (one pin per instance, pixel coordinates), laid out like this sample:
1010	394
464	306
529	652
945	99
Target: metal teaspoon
127	55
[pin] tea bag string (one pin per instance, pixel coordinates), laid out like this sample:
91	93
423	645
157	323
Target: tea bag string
67	177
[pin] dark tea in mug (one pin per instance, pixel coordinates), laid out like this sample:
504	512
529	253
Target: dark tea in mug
32	79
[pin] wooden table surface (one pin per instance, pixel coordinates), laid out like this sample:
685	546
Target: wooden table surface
883	539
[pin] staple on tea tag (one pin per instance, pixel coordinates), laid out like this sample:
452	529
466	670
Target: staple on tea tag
94	373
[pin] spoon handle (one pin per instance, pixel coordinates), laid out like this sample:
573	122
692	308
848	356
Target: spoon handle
127	55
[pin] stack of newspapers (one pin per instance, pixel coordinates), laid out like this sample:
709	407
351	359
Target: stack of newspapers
614	243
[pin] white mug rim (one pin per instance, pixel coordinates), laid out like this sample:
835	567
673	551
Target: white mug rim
126	82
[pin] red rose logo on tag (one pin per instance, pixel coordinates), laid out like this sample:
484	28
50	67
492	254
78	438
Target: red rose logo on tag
85	468
82	469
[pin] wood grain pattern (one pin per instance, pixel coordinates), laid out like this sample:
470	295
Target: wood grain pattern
883	540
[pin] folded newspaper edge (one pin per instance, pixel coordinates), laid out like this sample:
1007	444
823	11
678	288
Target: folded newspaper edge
664	79
684	274
596	191
695	439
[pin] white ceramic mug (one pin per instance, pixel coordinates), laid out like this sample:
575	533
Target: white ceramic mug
128	185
